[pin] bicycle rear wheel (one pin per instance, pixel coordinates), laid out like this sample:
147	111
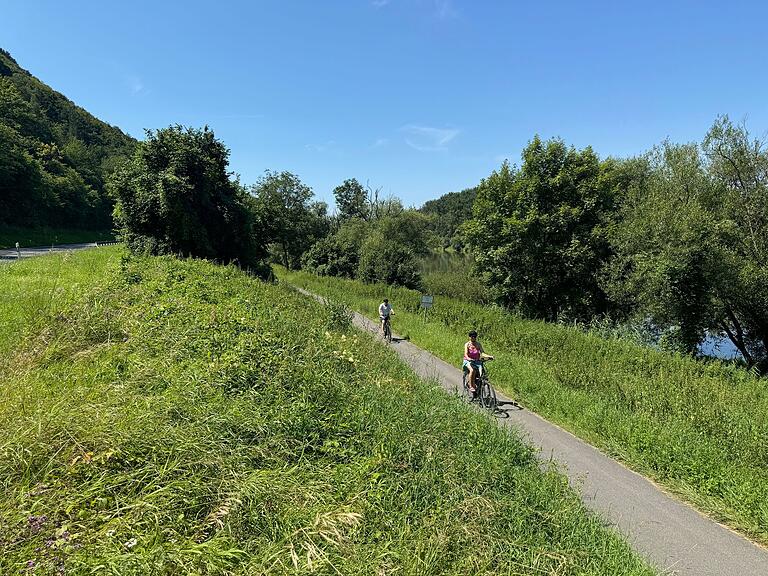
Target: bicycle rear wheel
387	332
488	395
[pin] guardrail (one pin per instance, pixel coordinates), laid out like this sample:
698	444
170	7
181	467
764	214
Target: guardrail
28	252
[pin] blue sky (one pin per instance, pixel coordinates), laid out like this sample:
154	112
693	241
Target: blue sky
415	97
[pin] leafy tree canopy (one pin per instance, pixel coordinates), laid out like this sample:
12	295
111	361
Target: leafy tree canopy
538	233
692	241
351	200
55	156
447	214
293	222
339	253
175	196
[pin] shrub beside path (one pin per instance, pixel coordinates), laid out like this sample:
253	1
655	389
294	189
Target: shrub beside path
671	535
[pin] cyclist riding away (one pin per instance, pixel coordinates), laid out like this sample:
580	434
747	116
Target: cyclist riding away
473	357
385	311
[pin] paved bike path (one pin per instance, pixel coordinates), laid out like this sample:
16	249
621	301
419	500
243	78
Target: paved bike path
671	535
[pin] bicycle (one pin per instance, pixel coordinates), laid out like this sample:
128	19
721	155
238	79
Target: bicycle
387	330
484	392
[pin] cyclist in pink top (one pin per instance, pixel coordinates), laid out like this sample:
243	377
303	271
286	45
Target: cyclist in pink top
473	355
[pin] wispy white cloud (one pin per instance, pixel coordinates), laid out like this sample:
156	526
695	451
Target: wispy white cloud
380	3
134	84
445	9
329	145
379	143
427	138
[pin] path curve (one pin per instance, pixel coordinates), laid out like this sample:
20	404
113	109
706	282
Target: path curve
671	535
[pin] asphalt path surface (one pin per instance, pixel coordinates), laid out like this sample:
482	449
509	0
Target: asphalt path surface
12	254
669	534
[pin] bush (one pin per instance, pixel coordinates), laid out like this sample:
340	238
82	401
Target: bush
384	261
174	196
339	254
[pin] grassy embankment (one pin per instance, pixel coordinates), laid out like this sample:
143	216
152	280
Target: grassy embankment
173	417
700	429
28	237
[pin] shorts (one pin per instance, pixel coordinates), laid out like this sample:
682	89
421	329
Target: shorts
476	364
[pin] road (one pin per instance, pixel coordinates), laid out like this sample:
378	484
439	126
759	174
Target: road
671	535
11	254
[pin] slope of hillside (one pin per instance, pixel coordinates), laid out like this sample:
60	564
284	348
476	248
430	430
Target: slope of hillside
54	156
168	417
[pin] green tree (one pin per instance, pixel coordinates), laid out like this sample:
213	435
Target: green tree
387	262
55	155
351	200
292	221
22	195
538	233
339	253
408	228
175	196
389	253
447	214
691	244
662	243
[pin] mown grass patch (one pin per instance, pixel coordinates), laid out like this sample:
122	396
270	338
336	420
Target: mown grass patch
701	429
173	417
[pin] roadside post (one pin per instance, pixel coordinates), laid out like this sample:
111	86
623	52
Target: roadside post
18	252
426	303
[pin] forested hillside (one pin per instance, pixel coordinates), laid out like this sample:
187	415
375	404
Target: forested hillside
54	156
448	213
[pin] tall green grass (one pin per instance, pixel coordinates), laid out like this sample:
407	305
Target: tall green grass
700	429
173	417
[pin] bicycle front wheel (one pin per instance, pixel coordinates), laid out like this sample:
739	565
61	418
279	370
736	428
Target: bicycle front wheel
488	396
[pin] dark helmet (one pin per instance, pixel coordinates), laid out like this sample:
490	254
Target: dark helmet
385	300
473	333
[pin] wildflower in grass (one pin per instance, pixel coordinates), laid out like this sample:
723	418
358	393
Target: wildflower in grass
130	543
37	522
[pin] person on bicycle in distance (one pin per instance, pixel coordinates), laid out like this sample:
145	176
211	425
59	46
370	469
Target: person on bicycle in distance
473	356
385	311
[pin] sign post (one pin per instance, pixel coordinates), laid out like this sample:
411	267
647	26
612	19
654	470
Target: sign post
426	303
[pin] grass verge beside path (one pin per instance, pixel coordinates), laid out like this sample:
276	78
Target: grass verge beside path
700	429
174	417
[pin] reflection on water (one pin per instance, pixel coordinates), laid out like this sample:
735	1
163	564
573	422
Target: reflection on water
719	347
